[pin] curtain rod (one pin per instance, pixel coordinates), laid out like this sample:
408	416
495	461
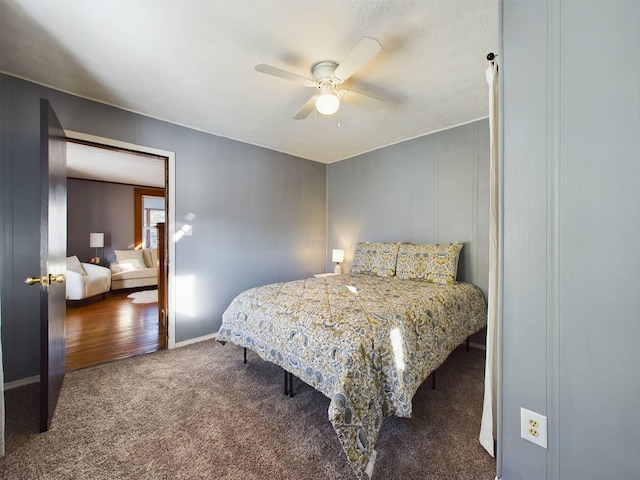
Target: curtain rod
491	57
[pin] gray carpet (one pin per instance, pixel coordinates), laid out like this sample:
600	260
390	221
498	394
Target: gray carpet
199	412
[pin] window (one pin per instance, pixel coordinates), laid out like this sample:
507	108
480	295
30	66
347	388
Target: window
152	216
150	210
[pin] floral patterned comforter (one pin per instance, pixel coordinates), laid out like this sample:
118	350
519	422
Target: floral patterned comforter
366	342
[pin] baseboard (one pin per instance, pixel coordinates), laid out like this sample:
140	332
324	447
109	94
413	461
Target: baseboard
22	382
477	345
195	340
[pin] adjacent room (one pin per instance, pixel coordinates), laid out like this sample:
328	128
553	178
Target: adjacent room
115	199
349	239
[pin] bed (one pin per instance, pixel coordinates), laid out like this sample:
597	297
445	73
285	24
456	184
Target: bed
366	340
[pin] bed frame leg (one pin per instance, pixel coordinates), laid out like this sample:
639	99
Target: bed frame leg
433	380
245	355
288	383
467	344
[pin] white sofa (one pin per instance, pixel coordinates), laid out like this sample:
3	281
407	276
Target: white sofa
84	280
134	268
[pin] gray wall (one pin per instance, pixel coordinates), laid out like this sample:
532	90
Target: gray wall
99	207
260	216
571	265
427	190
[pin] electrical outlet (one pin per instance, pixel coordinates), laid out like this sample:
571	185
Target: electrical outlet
533	427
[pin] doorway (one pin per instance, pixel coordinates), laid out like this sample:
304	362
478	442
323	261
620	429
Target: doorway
120	323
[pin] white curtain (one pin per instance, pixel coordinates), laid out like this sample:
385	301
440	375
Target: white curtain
489	410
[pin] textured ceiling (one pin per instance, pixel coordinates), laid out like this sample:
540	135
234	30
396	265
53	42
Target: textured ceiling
191	63
116	166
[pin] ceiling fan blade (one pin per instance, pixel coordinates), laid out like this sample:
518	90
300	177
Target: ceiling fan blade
365	50
307	108
360	99
277	72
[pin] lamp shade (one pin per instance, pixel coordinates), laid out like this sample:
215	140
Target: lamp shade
96	240
337	256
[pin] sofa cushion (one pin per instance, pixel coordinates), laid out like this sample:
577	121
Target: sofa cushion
131	274
74	265
123	255
150	258
131	264
95	281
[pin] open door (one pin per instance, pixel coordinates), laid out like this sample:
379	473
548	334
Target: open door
53	247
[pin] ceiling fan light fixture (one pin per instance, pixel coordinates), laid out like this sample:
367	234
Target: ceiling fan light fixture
327	103
328	76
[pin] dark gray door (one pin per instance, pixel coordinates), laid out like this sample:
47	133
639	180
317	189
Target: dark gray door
53	248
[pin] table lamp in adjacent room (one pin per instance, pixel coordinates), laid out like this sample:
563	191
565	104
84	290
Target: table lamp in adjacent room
337	257
96	240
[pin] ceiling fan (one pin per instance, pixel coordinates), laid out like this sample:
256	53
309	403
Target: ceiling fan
327	78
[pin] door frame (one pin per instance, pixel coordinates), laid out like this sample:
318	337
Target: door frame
171	217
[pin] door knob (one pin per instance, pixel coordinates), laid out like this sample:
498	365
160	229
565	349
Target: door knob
56	278
43	280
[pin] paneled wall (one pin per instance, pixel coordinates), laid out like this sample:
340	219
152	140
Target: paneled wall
427	190
570	325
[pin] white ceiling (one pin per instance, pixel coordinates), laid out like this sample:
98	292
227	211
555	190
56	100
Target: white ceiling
116	166
191	63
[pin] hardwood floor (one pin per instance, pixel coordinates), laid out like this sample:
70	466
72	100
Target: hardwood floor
100	330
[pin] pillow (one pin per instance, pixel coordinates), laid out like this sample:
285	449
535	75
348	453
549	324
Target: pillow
150	257
434	263
131	264
74	265
375	259
123	255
